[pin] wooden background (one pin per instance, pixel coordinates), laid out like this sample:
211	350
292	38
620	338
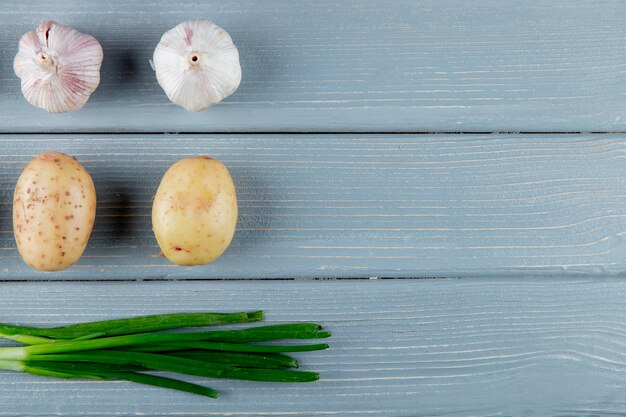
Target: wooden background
374	144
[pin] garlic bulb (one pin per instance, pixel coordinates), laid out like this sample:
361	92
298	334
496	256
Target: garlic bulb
59	67
197	64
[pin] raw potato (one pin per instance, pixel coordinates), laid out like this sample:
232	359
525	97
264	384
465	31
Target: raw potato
54	208
194	213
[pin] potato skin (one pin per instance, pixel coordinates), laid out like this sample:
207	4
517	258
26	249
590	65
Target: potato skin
54	208
194	213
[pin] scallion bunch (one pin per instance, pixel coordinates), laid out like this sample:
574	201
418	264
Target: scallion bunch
128	348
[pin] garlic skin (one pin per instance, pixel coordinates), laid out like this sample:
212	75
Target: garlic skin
59	67
197	64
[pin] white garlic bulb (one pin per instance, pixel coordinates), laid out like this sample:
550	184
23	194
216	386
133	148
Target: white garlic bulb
197	64
59	67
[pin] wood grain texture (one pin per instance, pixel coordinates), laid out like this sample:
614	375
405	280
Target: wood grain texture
364	65
325	206
400	348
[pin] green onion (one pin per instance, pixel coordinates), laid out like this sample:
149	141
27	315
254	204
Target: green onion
262	333
49	370
180	365
242	360
228	347
140	324
125	349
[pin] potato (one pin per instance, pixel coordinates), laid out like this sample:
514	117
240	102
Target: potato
194	213
54	207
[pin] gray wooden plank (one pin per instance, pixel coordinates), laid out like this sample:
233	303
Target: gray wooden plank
324	206
364	65
400	347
